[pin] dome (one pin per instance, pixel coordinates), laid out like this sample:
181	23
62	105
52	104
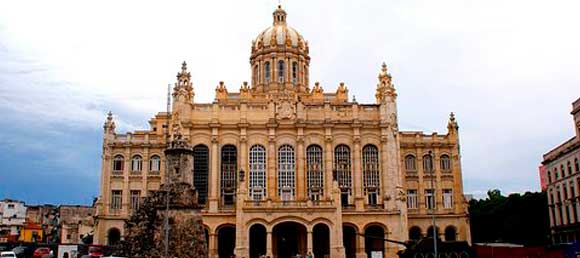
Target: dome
279	34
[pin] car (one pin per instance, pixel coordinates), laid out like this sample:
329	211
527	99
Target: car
22	251
40	252
8	254
96	251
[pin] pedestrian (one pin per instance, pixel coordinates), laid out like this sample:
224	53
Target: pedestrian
309	255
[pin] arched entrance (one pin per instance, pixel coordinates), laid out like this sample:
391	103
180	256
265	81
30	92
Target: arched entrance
226	241
349	235
430	232
450	233
320	240
415	233
374	240
113	236
257	240
289	239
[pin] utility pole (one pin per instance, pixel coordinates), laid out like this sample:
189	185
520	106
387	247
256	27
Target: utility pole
434	192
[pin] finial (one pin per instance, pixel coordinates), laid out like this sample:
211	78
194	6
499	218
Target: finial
279	16
110	116
184	66
384	68
353	98
452	117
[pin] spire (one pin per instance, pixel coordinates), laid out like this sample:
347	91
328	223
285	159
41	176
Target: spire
109	124
279	16
183	90
183	77
452	124
384	88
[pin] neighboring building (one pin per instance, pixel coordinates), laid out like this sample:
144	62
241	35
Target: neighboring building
76	223
47	217
543	177
562	167
320	171
12	218
31	233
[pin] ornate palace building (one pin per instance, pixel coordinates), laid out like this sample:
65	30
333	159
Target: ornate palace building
283	167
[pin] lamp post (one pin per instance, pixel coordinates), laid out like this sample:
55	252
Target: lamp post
434	192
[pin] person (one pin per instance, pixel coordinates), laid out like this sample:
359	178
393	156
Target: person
298	255
309	255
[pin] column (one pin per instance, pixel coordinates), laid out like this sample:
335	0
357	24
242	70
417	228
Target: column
212	245
309	241
328	168
272	171
360	246
357	175
214	174
126	172
301	174
269	243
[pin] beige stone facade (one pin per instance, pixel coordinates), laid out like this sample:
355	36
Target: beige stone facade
561	166
283	167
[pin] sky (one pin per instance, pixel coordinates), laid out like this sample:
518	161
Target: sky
508	69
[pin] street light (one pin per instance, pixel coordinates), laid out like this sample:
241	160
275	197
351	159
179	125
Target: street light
434	192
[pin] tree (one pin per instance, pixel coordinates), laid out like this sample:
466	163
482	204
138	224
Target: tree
519	219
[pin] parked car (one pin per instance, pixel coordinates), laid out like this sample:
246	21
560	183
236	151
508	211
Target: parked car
8	254
96	251
40	252
23	251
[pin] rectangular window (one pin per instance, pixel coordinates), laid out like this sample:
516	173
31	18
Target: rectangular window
10	206
412	199
116	199
135	196
429	199
447	198
372	198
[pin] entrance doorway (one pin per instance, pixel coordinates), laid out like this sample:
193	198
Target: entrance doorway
321	240
374	240
349	240
226	241
257	241
289	239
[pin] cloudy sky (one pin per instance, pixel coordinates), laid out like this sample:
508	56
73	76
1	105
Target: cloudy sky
508	69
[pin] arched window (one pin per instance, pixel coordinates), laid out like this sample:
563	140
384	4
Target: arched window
118	163
410	163
342	172
569	168
137	163
415	233
450	233
228	173
286	172
294	72
549	177
113	236
154	163
445	163
315	172
267	72
201	171
281	70
371	180
576	165
257	164
428	164
430	231
556	173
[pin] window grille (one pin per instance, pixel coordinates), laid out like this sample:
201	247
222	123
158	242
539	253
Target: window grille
116	199
412	200
118	162
229	160
257	165
371	179
136	163
447	198
315	172
445	163
286	172
155	164
410	163
135	196
342	167
201	172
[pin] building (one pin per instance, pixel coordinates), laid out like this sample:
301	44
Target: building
76	223
284	167
562	169
12	218
47	217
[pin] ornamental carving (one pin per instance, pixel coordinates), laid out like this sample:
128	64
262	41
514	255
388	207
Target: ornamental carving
285	110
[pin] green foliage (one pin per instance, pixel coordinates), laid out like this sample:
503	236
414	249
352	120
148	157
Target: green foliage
519	219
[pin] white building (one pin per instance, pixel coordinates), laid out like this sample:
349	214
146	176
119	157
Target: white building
12	216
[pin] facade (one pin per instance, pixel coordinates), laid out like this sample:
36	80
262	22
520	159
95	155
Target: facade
283	167
12	217
561	166
47	217
76	223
